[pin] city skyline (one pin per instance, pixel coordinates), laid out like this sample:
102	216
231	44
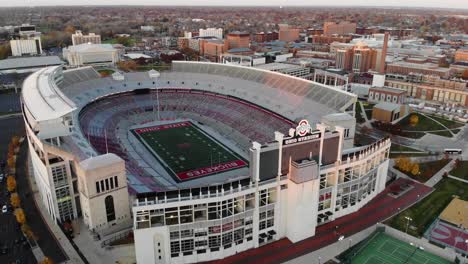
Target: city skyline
280	3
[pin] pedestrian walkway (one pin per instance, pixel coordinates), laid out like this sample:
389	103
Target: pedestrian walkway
440	174
56	231
94	253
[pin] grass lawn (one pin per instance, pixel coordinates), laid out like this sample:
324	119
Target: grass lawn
105	72
367	106
447	123
428	169
461	171
396	147
115	41
186	152
409	155
369	114
424	124
384	249
424	212
156	67
414	135
442	133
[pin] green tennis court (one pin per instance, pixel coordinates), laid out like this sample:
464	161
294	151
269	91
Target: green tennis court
384	249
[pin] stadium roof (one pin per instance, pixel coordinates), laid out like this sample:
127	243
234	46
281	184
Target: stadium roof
29	62
43	98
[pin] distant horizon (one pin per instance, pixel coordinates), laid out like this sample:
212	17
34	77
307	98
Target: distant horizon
391	4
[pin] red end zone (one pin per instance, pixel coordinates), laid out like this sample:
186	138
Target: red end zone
235	164
162	127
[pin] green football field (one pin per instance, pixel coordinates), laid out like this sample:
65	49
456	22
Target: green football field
187	152
384	249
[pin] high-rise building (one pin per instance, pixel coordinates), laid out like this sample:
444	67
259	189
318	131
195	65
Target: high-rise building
78	38
364	58
26	41
211	32
344	59
342	28
287	33
461	55
238	39
359	58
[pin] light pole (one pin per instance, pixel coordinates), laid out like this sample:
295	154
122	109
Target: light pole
350	242
407	223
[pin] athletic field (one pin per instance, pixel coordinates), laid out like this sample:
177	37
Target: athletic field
186	151
383	249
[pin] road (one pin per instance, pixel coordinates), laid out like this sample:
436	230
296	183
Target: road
8	232
9	229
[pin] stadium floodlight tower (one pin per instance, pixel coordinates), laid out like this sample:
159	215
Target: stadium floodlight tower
153	74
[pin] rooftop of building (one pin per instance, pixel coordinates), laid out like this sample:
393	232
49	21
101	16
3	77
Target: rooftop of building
387	106
29	62
389	89
90	47
278	66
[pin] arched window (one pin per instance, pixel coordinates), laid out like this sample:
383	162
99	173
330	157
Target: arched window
110	211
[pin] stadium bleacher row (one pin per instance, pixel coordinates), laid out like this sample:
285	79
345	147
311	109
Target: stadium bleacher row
100	121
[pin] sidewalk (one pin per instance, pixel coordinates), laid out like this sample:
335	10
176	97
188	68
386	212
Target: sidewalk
94	253
57	232
438	176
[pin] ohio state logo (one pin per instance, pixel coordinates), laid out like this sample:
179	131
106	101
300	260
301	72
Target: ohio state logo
303	128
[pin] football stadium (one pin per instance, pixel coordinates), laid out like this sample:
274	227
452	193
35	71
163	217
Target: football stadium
202	161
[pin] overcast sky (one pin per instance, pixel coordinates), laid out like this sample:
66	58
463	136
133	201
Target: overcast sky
411	3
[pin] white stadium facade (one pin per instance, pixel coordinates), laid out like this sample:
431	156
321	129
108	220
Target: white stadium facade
295	135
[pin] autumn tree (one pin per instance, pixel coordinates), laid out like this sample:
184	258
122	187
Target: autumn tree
414	119
47	260
5	51
11	183
20	216
26	229
15	141
15	201
415	169
404	164
465	75
127	65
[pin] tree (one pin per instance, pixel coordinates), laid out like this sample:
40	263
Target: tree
15	201
127	65
126	41
26	229
20	216
5	51
404	164
415	169
414	119
11	183
47	260
465	75
15	141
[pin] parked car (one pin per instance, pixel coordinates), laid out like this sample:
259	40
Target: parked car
1	177
4	209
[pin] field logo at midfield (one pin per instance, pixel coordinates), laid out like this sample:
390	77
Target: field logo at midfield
303	128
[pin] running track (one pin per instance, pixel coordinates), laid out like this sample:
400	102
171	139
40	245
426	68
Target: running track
378	209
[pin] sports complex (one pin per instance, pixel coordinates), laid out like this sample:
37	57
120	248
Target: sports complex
382	248
202	161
